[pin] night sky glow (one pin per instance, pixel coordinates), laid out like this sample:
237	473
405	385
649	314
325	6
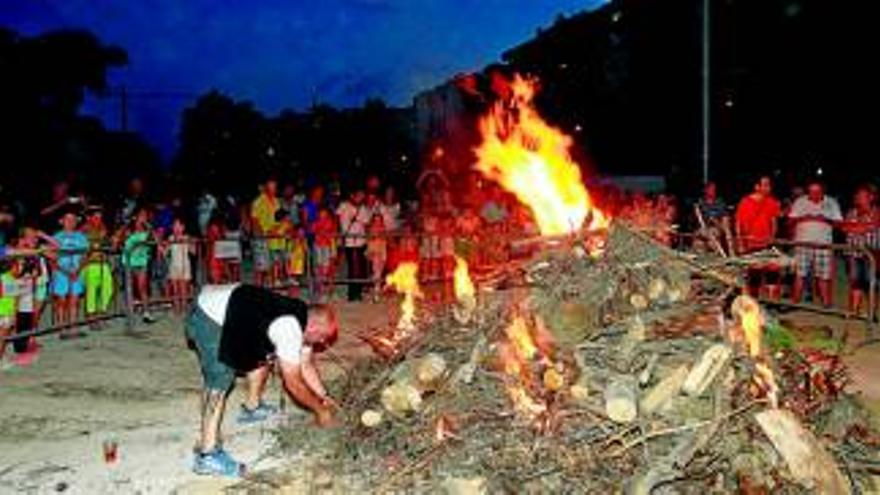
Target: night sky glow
290	53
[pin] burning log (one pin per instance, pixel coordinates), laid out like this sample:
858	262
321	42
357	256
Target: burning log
808	461
621	404
707	369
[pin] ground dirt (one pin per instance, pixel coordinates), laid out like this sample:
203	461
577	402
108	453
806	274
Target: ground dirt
141	390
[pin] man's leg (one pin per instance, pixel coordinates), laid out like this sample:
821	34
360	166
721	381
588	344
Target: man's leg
256	381
213	404
823	264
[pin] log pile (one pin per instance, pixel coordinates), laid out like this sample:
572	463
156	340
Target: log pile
571	382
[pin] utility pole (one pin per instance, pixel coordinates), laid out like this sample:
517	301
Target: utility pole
707	100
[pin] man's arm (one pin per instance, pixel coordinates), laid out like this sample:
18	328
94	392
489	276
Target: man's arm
311	375
294	382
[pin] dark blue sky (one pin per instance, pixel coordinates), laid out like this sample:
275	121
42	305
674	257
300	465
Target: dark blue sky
290	53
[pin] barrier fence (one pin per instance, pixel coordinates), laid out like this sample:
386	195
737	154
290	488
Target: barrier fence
301	265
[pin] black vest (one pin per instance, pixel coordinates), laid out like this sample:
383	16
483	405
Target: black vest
245	342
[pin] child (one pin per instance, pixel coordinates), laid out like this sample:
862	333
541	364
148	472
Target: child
377	251
295	255
67	283
446	261
325	249
430	247
136	257
8	301
215	237
97	273
33	288
178	249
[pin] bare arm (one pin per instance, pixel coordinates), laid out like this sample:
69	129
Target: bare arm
311	376
296	385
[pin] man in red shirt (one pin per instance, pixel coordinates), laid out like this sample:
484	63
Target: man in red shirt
756	217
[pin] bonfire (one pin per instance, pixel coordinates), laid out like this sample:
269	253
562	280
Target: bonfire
625	371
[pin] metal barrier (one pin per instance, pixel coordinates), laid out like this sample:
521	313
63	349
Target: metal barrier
838	255
236	260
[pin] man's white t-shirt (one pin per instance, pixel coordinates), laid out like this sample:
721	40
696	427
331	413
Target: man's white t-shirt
812	230
353	222
284	332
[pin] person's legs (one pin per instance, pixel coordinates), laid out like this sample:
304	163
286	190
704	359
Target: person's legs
351	270
857	282
92	276
823	260
213	404
256	381
803	263
5	331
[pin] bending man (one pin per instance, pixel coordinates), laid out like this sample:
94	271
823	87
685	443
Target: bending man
239	329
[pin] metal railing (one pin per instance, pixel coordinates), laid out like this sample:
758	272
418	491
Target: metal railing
838	255
238	260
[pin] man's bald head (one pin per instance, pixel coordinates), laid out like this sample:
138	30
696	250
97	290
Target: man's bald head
322	329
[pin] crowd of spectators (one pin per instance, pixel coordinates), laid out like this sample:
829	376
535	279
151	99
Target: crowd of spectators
75	258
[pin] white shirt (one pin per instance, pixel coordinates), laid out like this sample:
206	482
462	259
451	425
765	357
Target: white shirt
812	230
391	215
353	222
285	332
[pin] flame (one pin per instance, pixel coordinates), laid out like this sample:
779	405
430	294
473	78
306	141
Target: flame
752	322
520	336
405	281
750	319
464	287
531	159
516	353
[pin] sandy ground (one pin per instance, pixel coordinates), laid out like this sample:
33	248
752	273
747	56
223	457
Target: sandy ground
141	391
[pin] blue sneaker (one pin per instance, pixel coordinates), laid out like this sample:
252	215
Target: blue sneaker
217	463
260	413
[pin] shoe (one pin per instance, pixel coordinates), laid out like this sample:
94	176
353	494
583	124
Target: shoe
217	463
260	413
149	319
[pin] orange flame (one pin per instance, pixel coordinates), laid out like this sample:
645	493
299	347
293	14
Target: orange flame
464	287
531	159
516	354
752	321
405	281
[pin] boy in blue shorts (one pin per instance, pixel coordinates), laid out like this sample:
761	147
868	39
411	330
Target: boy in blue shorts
67	284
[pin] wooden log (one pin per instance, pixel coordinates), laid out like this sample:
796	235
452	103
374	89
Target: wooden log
648	371
707	369
809	463
620	399
669	387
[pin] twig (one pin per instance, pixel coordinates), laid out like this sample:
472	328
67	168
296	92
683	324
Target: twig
413	466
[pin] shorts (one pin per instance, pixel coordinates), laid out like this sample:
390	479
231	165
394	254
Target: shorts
63	286
323	255
813	260
859	273
205	334
261	255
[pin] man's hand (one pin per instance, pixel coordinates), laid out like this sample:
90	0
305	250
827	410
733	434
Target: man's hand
324	417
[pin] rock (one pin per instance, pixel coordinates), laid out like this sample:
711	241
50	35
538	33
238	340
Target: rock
580	393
